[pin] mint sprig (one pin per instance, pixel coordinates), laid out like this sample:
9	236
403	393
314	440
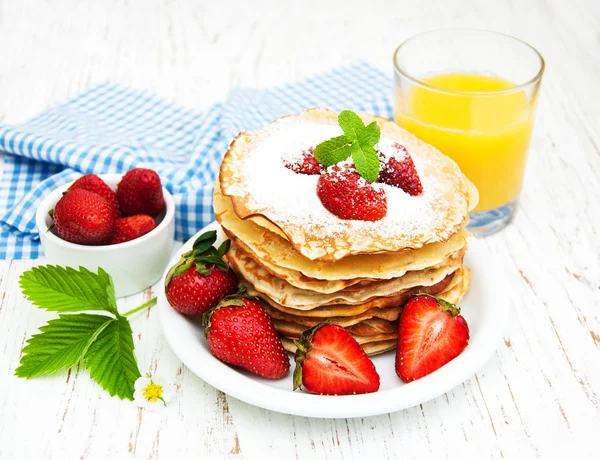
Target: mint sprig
103	341
357	141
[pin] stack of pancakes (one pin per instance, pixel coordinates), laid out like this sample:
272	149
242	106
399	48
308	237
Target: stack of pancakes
310	266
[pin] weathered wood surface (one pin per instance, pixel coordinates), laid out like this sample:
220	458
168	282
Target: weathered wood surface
538	397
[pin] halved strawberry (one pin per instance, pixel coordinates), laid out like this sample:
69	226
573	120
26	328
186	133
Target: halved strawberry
329	361
306	164
431	333
240	333
346	194
398	170
201	278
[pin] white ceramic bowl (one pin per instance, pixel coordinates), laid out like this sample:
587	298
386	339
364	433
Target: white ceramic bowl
134	265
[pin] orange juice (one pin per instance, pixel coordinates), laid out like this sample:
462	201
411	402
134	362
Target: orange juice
486	134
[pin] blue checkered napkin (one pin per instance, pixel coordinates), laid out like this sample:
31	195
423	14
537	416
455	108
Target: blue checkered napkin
111	129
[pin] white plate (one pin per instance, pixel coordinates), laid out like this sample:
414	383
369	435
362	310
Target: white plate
484	307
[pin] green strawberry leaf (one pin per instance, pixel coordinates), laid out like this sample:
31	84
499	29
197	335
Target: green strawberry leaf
111	360
61	344
207	239
351	124
332	151
224	247
62	289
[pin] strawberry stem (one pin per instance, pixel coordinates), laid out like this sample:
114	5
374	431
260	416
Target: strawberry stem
148	304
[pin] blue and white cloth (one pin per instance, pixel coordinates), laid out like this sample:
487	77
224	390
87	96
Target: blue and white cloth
111	129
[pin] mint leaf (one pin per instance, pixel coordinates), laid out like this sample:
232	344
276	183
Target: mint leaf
332	151
61	344
351	124
366	161
111	360
370	135
67	290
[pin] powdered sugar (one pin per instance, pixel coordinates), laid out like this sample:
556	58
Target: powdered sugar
286	197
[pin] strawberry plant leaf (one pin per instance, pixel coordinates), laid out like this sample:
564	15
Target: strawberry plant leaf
111	360
224	247
207	237
62	289
351	124
332	151
61	344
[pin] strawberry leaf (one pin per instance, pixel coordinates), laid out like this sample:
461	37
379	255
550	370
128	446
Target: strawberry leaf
207	239
332	151
61	344
111	360
62	289
224	247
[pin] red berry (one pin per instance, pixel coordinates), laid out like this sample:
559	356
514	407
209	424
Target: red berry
399	171
201	278
330	361
431	333
93	183
347	195
140	192
132	227
306	164
240	333
83	217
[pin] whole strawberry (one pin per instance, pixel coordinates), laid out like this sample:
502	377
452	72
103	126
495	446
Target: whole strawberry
240	333
399	171
346	194
201	278
140	192
329	361
431	333
130	228
83	217
92	183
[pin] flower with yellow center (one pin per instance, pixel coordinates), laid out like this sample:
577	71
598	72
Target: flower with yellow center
152	393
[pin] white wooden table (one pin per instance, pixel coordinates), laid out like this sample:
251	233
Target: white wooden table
538	397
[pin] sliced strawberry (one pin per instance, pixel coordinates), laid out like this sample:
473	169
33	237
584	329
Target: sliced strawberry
201	278
83	217
240	333
346	194
306	164
330	361
132	227
93	183
398	170
431	333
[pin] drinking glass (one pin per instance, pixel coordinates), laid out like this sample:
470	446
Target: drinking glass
472	94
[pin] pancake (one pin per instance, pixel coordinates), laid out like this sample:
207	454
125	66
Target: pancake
351	309
294	331
288	295
276	255
350	315
254	177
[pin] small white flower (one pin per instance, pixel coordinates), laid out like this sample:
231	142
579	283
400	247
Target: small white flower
152	393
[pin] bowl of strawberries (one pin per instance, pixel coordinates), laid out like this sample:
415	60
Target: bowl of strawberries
124	223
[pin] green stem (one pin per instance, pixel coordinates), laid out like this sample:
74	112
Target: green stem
141	307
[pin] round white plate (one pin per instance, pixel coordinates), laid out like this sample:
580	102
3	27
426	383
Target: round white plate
484	307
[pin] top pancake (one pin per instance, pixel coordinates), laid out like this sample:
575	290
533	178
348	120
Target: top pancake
260	187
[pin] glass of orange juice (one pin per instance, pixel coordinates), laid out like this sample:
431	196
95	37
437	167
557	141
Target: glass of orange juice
472	94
